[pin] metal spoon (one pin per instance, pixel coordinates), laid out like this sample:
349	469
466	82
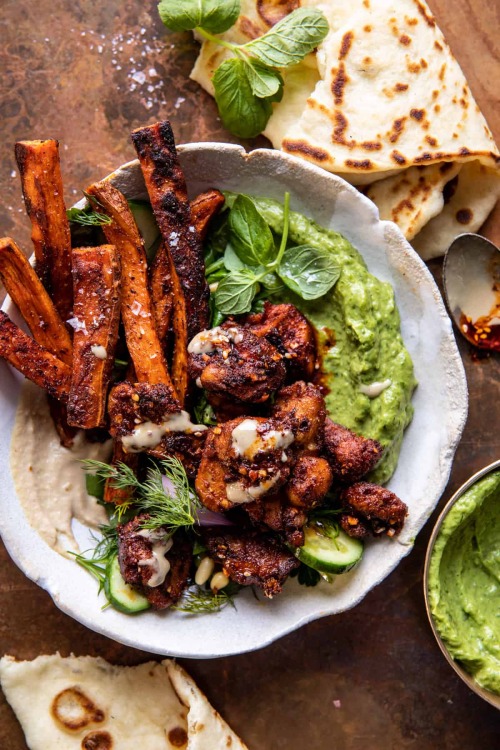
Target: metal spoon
471	276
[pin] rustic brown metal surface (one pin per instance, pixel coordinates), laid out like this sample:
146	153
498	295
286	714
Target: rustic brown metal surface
87	73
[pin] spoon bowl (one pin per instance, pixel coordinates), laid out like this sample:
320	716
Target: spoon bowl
471	276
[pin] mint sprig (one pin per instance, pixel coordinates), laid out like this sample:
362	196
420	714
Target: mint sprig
249	82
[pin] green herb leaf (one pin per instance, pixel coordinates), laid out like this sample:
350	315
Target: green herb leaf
235	293
308	271
306	576
265	82
251	237
202	601
95	486
273	285
231	260
87	218
213	15
203	412
243	113
291	39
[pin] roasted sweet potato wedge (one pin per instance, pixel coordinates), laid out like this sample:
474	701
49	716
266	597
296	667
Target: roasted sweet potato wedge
40	171
97	300
140	331
34	361
203	209
114	494
166	186
33	302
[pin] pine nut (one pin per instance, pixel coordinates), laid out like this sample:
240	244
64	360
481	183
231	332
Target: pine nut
219	580
205	570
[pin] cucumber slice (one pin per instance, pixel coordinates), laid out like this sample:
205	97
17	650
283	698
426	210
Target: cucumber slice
328	549
122	596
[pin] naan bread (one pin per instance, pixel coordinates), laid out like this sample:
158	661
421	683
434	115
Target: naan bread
85	703
383	102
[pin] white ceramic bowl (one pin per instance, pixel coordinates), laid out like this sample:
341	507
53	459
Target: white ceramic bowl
429	444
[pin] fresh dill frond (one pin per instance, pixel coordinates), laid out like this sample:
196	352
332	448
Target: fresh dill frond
202	601
87	218
95	560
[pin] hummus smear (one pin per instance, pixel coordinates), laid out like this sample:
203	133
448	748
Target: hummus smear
464	581
48	478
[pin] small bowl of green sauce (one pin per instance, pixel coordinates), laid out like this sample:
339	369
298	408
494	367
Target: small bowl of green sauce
462	583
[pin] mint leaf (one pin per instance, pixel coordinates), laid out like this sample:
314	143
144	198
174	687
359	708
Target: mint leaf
251	237
235	293
243	113
215	16
231	260
308	271
264	81
291	39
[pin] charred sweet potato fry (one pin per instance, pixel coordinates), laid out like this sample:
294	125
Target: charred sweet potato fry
203	209
97	299
114	494
40	171
29	295
142	338
166	186
34	361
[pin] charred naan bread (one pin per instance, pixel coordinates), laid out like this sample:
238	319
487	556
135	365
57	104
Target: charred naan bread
87	704
384	103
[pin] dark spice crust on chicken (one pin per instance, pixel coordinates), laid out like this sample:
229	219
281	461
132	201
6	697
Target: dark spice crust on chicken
300	407
349	455
187	447
133	548
370	509
248	371
277	514
130	405
251	558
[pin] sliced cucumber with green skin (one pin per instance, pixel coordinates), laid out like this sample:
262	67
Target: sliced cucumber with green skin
328	549
120	595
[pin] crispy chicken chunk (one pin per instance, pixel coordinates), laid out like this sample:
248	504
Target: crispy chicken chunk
290	332
251	558
349	455
277	514
187	447
135	555
130	405
301	408
310	480
370	509
232	362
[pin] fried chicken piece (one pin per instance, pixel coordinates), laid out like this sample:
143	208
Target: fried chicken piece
290	332
301	408
310	480
232	362
135	555
130	405
187	447
277	514
351	456
370	509
242	461
251	558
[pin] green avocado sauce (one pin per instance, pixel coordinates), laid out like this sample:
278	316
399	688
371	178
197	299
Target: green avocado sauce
359	336
464	581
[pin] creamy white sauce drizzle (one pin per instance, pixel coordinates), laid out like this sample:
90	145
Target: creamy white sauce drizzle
148	434
99	352
247	441
160	566
48	478
375	389
237	493
206	341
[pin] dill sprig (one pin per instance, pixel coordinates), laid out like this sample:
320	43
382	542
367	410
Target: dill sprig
202	601
87	218
98	557
171	510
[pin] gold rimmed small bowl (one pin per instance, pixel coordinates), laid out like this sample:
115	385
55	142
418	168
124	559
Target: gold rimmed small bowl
492	698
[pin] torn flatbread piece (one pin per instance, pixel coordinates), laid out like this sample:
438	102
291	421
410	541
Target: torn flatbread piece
85	703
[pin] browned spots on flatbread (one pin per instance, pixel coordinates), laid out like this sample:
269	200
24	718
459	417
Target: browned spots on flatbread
438	46
358	163
437	108
435	94
367	28
366	3
301	147
340	128
75	710
272	11
401	87
464	216
371	145
405	39
464	103
367	61
429	20
340	78
213	61
442	71
411	21
450	189
417	114
413	67
229	741
346	45
249	28
398	158
178	737
397	128
423	63
402	205
464	151
97	741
